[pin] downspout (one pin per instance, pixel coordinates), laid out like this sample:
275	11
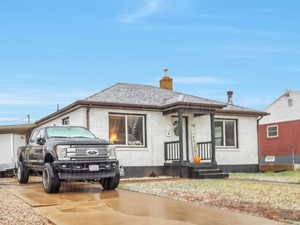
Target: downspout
258	138
88	117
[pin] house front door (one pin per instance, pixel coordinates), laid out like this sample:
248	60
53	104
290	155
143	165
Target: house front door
184	134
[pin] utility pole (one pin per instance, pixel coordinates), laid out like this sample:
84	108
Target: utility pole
28	118
57	107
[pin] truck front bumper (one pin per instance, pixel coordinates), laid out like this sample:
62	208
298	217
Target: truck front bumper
85	170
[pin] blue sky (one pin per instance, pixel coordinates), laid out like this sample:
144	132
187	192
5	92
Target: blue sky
56	52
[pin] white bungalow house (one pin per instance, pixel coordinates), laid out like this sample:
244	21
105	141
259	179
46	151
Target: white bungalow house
159	131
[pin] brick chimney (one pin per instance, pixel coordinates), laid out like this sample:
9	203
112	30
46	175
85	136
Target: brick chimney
166	82
229	97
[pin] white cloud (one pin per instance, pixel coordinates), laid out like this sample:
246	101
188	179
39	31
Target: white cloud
12	119
41	98
255	101
149	7
200	80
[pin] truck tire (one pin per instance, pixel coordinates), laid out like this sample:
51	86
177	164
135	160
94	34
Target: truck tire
22	173
51	182
110	183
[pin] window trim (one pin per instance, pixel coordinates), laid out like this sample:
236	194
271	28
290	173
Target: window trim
144	116
270	126
65	118
236	133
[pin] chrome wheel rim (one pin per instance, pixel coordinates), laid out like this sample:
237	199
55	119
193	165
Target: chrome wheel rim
45	179
19	173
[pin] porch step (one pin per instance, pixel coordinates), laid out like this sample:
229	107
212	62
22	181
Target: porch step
212	175
202	166
205	171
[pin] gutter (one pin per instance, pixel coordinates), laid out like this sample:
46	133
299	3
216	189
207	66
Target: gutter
88	117
89	104
243	112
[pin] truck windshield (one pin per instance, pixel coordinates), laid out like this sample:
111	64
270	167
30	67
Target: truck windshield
68	132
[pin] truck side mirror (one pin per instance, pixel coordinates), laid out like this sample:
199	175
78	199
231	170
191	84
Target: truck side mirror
41	141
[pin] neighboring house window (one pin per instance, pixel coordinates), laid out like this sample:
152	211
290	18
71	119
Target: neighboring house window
65	121
272	131
226	133
290	102
127	129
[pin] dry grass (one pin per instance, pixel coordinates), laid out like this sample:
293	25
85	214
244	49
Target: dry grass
287	176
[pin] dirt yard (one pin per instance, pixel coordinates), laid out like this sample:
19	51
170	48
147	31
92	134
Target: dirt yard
276	201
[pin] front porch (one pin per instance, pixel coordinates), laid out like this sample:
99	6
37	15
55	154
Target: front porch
204	150
179	154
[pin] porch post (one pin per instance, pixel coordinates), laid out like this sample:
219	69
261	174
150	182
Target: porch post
213	141
180	133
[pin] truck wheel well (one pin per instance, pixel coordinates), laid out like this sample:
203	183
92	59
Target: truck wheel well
48	158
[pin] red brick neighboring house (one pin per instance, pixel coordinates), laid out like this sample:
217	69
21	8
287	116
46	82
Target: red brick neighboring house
279	133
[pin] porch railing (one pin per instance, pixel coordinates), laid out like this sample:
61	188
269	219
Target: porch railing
204	150
172	150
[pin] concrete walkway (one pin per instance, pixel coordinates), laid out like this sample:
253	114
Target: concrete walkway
83	203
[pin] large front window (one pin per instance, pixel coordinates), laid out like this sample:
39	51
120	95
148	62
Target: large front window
226	133
127	129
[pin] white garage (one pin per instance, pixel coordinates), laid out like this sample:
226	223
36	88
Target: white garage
12	137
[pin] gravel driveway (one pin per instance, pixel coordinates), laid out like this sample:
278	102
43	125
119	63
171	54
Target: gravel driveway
13	211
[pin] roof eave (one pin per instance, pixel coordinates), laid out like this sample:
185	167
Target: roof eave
245	113
22	128
131	106
190	104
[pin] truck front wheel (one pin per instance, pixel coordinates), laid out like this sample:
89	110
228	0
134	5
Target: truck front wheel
51	182
110	183
22	173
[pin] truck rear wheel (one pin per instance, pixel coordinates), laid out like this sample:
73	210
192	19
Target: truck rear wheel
51	182
110	183
22	173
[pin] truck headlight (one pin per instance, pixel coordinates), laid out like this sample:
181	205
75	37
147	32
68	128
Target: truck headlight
61	151
111	152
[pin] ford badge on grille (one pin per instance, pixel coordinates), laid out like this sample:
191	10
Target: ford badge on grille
92	152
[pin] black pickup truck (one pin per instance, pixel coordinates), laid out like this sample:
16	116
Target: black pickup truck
68	153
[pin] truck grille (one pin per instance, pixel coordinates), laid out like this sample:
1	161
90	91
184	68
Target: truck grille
85	152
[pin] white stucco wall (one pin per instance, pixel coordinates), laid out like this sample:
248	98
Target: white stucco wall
159	130
280	111
77	118
247	151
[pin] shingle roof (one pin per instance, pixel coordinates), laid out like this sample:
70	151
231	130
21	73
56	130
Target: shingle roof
150	97
125	93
